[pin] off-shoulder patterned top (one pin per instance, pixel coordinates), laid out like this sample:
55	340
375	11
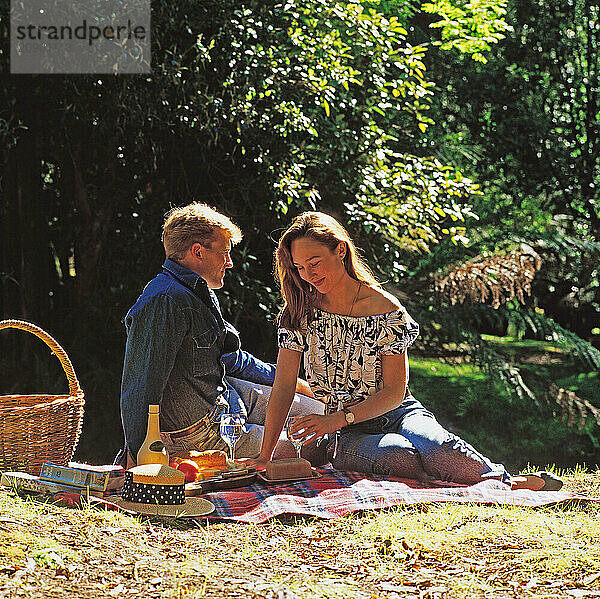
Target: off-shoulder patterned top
342	354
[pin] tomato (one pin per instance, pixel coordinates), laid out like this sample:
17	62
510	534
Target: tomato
175	462
190	469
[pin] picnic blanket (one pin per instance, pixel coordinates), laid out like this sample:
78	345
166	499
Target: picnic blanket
338	493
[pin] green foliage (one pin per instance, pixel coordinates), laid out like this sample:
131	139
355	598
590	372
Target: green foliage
584	384
404	192
525	126
321	96
470	27
527	121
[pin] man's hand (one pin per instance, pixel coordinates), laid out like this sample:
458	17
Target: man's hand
303	388
314	426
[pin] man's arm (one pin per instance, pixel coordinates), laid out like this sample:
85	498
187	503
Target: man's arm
154	336
245	366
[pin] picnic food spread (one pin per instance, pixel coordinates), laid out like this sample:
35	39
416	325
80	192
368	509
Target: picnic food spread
221	474
208	459
201	465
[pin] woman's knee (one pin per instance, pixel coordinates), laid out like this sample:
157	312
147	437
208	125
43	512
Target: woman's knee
457	461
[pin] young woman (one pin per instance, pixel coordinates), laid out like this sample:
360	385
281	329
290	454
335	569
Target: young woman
354	337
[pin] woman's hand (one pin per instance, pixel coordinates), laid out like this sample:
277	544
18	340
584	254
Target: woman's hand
260	463
311	427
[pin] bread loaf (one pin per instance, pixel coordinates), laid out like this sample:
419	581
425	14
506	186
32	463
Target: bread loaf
289	468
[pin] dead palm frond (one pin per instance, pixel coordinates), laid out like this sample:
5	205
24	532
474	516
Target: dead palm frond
494	279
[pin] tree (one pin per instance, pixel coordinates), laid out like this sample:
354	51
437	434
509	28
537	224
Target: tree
289	104
263	109
524	126
259	108
528	123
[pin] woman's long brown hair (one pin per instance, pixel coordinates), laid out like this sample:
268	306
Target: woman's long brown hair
298	295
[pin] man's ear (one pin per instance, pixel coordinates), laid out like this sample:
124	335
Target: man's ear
197	251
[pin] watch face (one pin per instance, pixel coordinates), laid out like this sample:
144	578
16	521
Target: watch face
349	417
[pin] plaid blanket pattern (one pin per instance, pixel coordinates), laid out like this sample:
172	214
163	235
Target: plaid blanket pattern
338	493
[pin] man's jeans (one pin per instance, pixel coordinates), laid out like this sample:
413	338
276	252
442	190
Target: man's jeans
255	398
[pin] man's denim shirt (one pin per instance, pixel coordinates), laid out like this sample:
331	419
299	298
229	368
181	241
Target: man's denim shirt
178	351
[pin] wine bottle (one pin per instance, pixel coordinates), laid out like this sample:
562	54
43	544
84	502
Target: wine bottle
153	450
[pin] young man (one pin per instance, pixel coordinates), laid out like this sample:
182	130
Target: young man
180	348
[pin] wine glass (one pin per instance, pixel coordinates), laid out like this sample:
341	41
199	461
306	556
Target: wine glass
231	429
295	441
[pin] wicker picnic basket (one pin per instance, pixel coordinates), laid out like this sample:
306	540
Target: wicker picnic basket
38	428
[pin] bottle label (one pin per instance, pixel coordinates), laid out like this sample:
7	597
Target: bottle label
157	446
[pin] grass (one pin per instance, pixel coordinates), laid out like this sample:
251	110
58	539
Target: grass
517	345
445	550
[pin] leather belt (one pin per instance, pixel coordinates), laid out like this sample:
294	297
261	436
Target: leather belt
189	430
205	422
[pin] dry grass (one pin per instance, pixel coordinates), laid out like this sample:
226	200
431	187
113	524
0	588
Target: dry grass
445	550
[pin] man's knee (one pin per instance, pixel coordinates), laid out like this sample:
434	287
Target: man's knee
303	405
250	442
254	396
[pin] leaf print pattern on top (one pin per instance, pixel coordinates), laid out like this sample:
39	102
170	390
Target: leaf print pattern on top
343	353
290	340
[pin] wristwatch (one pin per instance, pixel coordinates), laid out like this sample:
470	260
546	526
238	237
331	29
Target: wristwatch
349	416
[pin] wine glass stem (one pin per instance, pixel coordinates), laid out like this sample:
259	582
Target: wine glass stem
298	450
233	451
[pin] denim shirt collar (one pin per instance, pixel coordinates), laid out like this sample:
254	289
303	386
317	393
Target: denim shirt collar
190	279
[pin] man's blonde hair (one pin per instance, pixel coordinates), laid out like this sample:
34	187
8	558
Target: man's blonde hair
194	223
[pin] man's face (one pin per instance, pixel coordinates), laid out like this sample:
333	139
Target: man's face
215	259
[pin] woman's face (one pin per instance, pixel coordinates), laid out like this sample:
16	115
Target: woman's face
317	264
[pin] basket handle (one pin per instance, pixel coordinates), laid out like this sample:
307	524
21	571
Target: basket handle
57	350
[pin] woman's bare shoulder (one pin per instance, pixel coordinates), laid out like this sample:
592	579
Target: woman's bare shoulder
378	301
